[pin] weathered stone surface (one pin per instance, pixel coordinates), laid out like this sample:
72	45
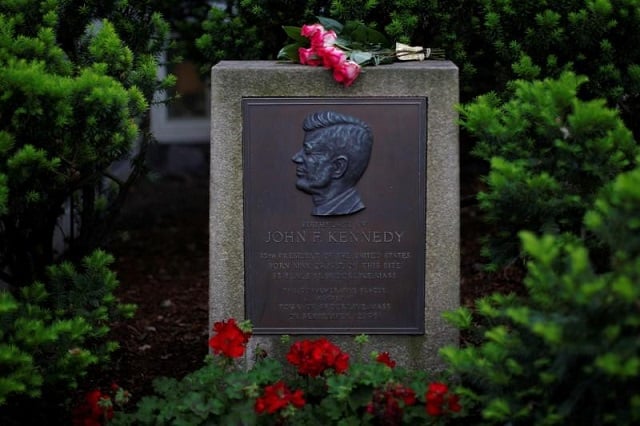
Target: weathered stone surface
437	81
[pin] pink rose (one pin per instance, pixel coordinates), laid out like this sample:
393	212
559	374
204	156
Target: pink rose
346	72
324	52
309	30
332	57
329	38
309	57
318	35
317	41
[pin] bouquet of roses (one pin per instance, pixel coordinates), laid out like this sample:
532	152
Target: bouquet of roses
345	49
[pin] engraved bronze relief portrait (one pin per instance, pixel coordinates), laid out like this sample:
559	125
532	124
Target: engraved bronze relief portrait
334	205
335	153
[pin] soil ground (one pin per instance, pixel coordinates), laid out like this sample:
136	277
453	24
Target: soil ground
161	247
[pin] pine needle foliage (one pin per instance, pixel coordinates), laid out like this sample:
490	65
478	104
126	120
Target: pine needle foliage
77	78
532	39
76	83
568	353
251	29
550	154
50	338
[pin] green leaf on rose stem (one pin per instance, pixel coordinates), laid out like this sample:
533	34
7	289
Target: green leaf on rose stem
343	43
290	52
360	57
294	33
330	24
360	33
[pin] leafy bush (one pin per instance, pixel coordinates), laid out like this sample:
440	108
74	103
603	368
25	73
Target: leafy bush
326	387
48	340
74	95
77	79
568	353
550	153
252	29
493	42
532	39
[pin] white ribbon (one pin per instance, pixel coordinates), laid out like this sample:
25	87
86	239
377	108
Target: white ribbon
404	52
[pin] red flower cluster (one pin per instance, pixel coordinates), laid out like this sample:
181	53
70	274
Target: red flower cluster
386	404
314	357
324	52
278	396
94	411
229	339
439	400
384	358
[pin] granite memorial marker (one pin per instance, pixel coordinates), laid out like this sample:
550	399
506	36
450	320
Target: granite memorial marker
336	211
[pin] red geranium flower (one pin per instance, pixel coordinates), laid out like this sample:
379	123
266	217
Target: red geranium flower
440	400
95	409
229	340
384	358
276	397
407	394
314	357
387	403
454	403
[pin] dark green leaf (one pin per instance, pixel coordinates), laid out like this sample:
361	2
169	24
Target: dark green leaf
294	33
358	32
330	24
360	397
360	57
289	52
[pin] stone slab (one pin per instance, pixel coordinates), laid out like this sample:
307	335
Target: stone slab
437	82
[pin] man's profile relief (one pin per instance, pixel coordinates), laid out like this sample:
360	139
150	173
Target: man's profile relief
335	153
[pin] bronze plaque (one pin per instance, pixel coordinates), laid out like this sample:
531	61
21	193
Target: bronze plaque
334	214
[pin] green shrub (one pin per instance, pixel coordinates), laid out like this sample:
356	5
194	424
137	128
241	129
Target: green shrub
185	18
532	39
492	41
74	98
550	153
76	81
252	29
615	217
569	352
49	339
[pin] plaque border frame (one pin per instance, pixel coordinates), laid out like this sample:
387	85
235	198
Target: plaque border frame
422	105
